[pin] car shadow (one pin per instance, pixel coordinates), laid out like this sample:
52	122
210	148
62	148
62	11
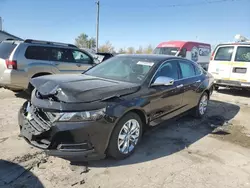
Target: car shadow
14	175
235	92
23	95
175	135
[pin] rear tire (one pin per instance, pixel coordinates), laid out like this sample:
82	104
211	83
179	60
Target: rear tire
201	108
125	136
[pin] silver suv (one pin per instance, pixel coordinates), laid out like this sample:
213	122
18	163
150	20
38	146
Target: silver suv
22	60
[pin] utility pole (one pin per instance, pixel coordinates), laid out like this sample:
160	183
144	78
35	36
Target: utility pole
97	25
1	24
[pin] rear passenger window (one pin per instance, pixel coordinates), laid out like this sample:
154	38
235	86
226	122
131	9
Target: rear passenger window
187	69
61	54
37	52
243	54
224	53
197	69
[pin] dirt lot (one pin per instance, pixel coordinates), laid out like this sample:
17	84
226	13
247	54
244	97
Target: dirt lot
212	152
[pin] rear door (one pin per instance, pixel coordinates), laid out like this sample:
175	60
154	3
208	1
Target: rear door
241	65
191	77
63	60
221	65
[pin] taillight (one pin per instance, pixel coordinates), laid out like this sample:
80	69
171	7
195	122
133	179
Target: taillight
10	64
212	56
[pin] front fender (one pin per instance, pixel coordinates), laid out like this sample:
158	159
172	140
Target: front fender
122	108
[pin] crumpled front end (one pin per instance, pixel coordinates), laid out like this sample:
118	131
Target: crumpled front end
69	140
46	122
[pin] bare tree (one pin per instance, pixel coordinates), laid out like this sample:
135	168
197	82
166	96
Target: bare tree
130	50
140	50
107	47
82	41
92	42
148	49
122	51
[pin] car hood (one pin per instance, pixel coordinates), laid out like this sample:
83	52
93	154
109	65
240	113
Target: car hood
80	88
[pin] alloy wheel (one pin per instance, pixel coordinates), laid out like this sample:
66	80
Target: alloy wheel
128	136
203	104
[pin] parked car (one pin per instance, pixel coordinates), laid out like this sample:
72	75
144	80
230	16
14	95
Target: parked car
22	60
230	65
105	110
106	55
100	58
195	51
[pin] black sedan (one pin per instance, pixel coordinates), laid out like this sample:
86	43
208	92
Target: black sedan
105	110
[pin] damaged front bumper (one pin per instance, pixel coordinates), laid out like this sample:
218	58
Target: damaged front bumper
74	141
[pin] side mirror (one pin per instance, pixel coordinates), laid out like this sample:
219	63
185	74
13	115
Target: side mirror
163	81
183	52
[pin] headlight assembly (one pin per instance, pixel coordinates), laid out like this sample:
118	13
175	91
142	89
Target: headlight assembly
82	116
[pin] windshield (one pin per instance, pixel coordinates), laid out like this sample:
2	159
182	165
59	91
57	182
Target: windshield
122	68
166	50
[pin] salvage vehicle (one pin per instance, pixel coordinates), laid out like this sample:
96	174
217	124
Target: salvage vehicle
230	65
105	110
22	60
195	51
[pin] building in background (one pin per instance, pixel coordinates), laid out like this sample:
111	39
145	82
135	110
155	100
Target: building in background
5	35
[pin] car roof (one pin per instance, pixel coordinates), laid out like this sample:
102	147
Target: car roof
180	44
12	41
42	43
235	44
153	57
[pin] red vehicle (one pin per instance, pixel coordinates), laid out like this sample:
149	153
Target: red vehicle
195	51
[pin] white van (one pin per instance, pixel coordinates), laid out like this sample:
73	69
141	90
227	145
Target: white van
230	65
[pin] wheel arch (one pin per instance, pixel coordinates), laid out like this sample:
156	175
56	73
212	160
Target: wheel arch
208	93
30	87
40	74
140	112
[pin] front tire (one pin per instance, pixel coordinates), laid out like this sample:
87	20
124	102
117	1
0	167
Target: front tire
125	137
201	108
216	88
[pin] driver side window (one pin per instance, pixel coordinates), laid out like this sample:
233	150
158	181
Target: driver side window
168	69
81	57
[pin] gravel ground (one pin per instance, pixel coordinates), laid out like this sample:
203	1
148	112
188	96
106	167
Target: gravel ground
185	152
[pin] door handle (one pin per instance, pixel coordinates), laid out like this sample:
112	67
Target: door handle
78	65
180	86
198	81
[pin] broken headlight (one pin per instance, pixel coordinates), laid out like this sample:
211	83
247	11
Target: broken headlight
83	116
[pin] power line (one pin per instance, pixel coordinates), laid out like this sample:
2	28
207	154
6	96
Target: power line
198	3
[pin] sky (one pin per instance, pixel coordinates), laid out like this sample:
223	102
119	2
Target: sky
129	22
